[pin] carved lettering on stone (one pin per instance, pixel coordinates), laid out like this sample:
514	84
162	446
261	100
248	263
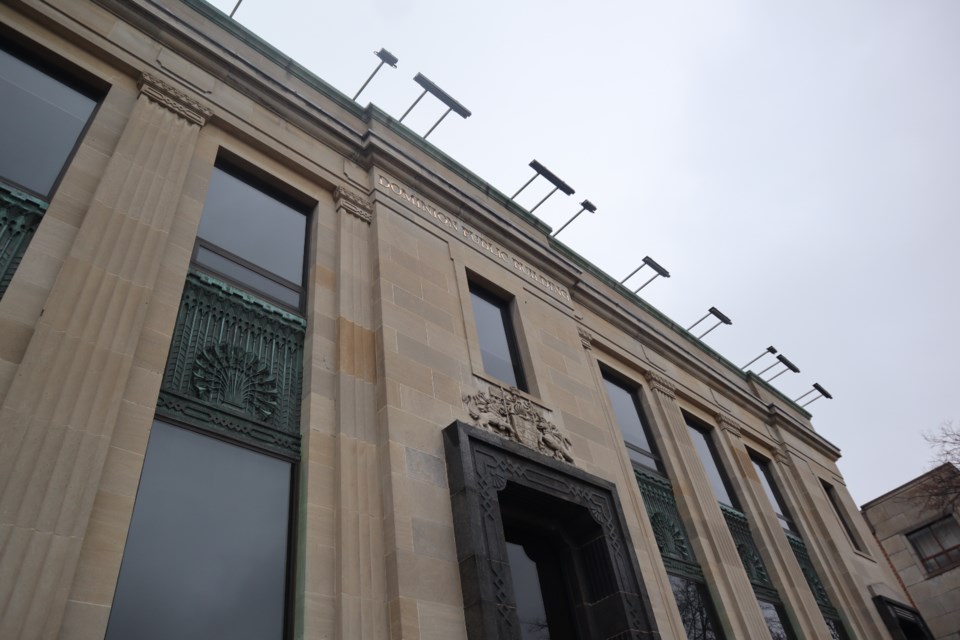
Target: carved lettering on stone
168	96
353	204
510	415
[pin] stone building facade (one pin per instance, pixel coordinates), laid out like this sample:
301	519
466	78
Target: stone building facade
922	542
273	366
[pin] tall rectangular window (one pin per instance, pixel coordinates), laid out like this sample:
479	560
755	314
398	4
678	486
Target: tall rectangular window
937	544
206	554
708	457
762	467
42	115
253	235
841	515
498	342
633	425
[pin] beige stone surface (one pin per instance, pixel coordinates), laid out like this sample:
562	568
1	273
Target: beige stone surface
391	350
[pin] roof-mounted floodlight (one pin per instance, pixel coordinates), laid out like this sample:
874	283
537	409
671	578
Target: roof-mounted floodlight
765	352
385	58
551	177
713	311
442	96
788	366
820	390
653	264
586	205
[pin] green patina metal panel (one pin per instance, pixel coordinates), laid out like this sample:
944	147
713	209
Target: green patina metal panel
235	366
749	554
20	216
672	539
830	613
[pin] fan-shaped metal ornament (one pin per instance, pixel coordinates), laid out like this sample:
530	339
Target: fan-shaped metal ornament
230	375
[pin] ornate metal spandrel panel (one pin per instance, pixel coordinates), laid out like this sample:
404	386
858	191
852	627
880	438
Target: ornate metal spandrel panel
20	215
749	554
235	366
668	529
480	467
806	566
830	613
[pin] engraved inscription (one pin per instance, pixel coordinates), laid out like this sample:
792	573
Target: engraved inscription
457	228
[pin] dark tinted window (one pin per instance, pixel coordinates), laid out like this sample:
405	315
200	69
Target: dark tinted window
497	341
695	610
708	458
41	120
763	472
262	236
629	414
776	621
838	509
206	555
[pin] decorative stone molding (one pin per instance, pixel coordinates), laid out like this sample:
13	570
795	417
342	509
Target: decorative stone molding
661	383
586	338
508	414
598	553
353	204
173	99
782	455
726	423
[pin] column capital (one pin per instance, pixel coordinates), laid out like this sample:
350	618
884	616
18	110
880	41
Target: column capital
782	455
173	99
728	424
661	383
354	204
586	338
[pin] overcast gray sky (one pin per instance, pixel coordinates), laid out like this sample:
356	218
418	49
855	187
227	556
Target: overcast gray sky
795	165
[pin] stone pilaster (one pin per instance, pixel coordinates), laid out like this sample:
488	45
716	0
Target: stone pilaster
361	577
767	534
698	506
822	535
58	417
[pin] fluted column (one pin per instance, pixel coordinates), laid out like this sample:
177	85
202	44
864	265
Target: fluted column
59	414
361	588
800	485
767	533
698	506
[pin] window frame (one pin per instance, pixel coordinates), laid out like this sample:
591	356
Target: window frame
834	499
943	550
635	390
293	511
286	195
763	467
66	73
506	304
708	434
